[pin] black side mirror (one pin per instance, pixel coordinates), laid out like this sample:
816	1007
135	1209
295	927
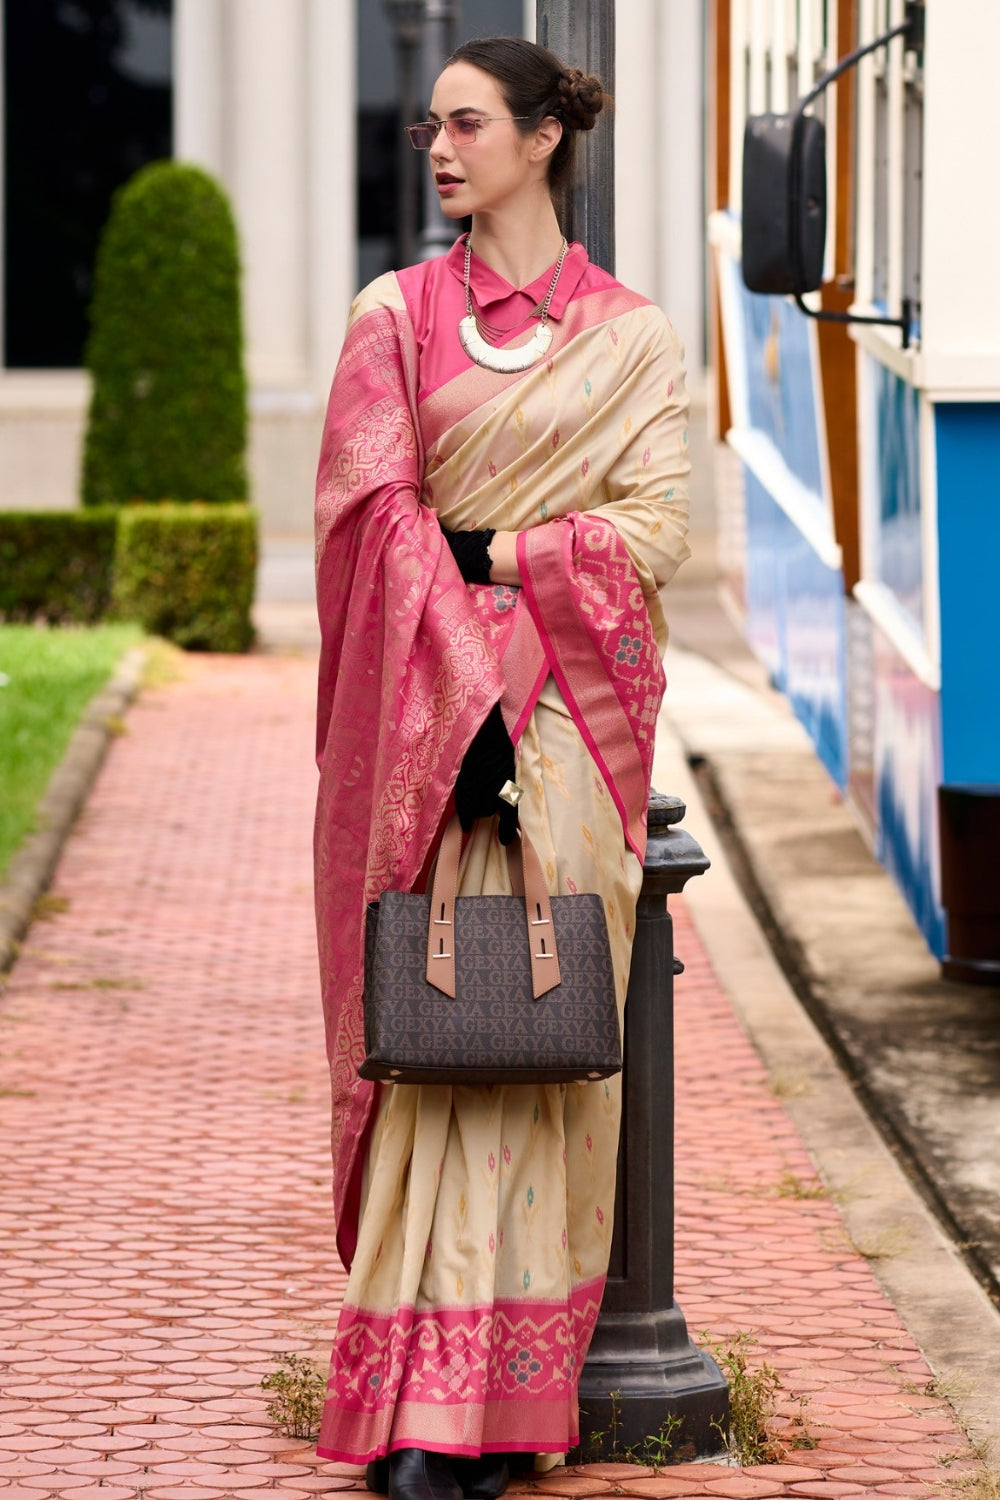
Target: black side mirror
784	193
784	203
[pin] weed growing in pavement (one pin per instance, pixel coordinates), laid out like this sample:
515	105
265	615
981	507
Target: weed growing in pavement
882	1244
98	984
751	1401
661	1450
886	1244
605	1445
299	1386
790	1085
983	1485
298	1094
655	1451
801	1439
956	1388
790	1185
48	906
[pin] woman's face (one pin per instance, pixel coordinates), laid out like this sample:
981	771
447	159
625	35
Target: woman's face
497	165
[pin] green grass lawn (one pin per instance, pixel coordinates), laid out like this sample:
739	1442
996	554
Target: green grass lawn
47	678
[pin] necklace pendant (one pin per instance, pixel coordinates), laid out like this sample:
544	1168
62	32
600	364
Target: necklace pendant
503	361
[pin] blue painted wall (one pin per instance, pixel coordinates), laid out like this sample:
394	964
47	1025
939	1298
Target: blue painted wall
796	616
907	773
780	384
796	624
795	603
900	561
968	485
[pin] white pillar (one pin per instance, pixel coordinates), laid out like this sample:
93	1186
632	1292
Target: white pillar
200	78
268	177
332	50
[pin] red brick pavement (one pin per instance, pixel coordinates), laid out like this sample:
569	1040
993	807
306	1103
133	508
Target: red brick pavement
165	1215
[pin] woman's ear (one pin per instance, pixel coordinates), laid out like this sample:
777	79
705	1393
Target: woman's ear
547	137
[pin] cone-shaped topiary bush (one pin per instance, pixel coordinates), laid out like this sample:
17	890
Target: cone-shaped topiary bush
168	411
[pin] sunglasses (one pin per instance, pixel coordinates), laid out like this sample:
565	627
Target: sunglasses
461	131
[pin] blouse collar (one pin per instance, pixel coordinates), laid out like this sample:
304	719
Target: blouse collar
490	288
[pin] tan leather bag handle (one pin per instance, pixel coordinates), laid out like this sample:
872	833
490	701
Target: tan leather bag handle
526	879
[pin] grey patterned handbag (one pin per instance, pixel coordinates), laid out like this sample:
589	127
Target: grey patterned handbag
489	989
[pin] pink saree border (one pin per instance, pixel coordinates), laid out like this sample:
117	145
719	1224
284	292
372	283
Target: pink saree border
500	1377
606	708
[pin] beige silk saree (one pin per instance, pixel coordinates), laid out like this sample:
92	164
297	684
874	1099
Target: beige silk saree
477	1222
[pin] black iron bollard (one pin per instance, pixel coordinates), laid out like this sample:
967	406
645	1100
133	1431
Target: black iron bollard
643	1373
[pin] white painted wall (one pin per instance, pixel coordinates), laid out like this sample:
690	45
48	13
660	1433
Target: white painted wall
961	293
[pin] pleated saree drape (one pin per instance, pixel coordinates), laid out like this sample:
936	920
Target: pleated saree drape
477	1222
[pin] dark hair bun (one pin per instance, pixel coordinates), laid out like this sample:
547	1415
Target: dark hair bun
581	99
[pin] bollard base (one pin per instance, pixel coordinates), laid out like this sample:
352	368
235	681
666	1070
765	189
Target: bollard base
647	1387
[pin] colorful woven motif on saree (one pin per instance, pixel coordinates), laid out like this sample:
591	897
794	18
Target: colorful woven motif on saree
585	456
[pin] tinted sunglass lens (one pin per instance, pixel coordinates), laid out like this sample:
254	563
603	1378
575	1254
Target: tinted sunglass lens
421	136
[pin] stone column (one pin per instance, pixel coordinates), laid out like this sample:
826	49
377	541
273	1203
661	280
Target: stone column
267	46
332	67
200	84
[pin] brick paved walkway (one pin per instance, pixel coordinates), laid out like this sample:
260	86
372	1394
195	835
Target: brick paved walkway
163	1133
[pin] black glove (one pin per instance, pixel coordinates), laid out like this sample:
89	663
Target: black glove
471	550
488	764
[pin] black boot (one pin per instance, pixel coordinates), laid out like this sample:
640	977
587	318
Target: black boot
417	1475
483	1478
377	1476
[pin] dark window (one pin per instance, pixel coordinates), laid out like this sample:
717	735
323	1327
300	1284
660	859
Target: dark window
87	101
380	137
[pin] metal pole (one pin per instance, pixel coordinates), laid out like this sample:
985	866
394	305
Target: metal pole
642	1368
582	34
643	1371
438	233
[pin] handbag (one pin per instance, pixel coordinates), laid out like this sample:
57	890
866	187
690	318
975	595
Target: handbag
489	989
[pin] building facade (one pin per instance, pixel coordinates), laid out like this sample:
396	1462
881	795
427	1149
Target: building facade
293	105
859	500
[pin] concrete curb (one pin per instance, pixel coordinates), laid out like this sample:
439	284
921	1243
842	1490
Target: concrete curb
34	862
921	1271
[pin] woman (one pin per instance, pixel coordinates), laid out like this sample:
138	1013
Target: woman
496	518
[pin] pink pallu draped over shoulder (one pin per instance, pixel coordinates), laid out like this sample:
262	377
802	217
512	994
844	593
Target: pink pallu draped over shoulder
413	658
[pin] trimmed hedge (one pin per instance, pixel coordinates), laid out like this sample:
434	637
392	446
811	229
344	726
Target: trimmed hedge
187	572
168	414
56	565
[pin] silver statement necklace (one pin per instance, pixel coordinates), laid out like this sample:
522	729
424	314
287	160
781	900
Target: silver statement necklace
506	361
